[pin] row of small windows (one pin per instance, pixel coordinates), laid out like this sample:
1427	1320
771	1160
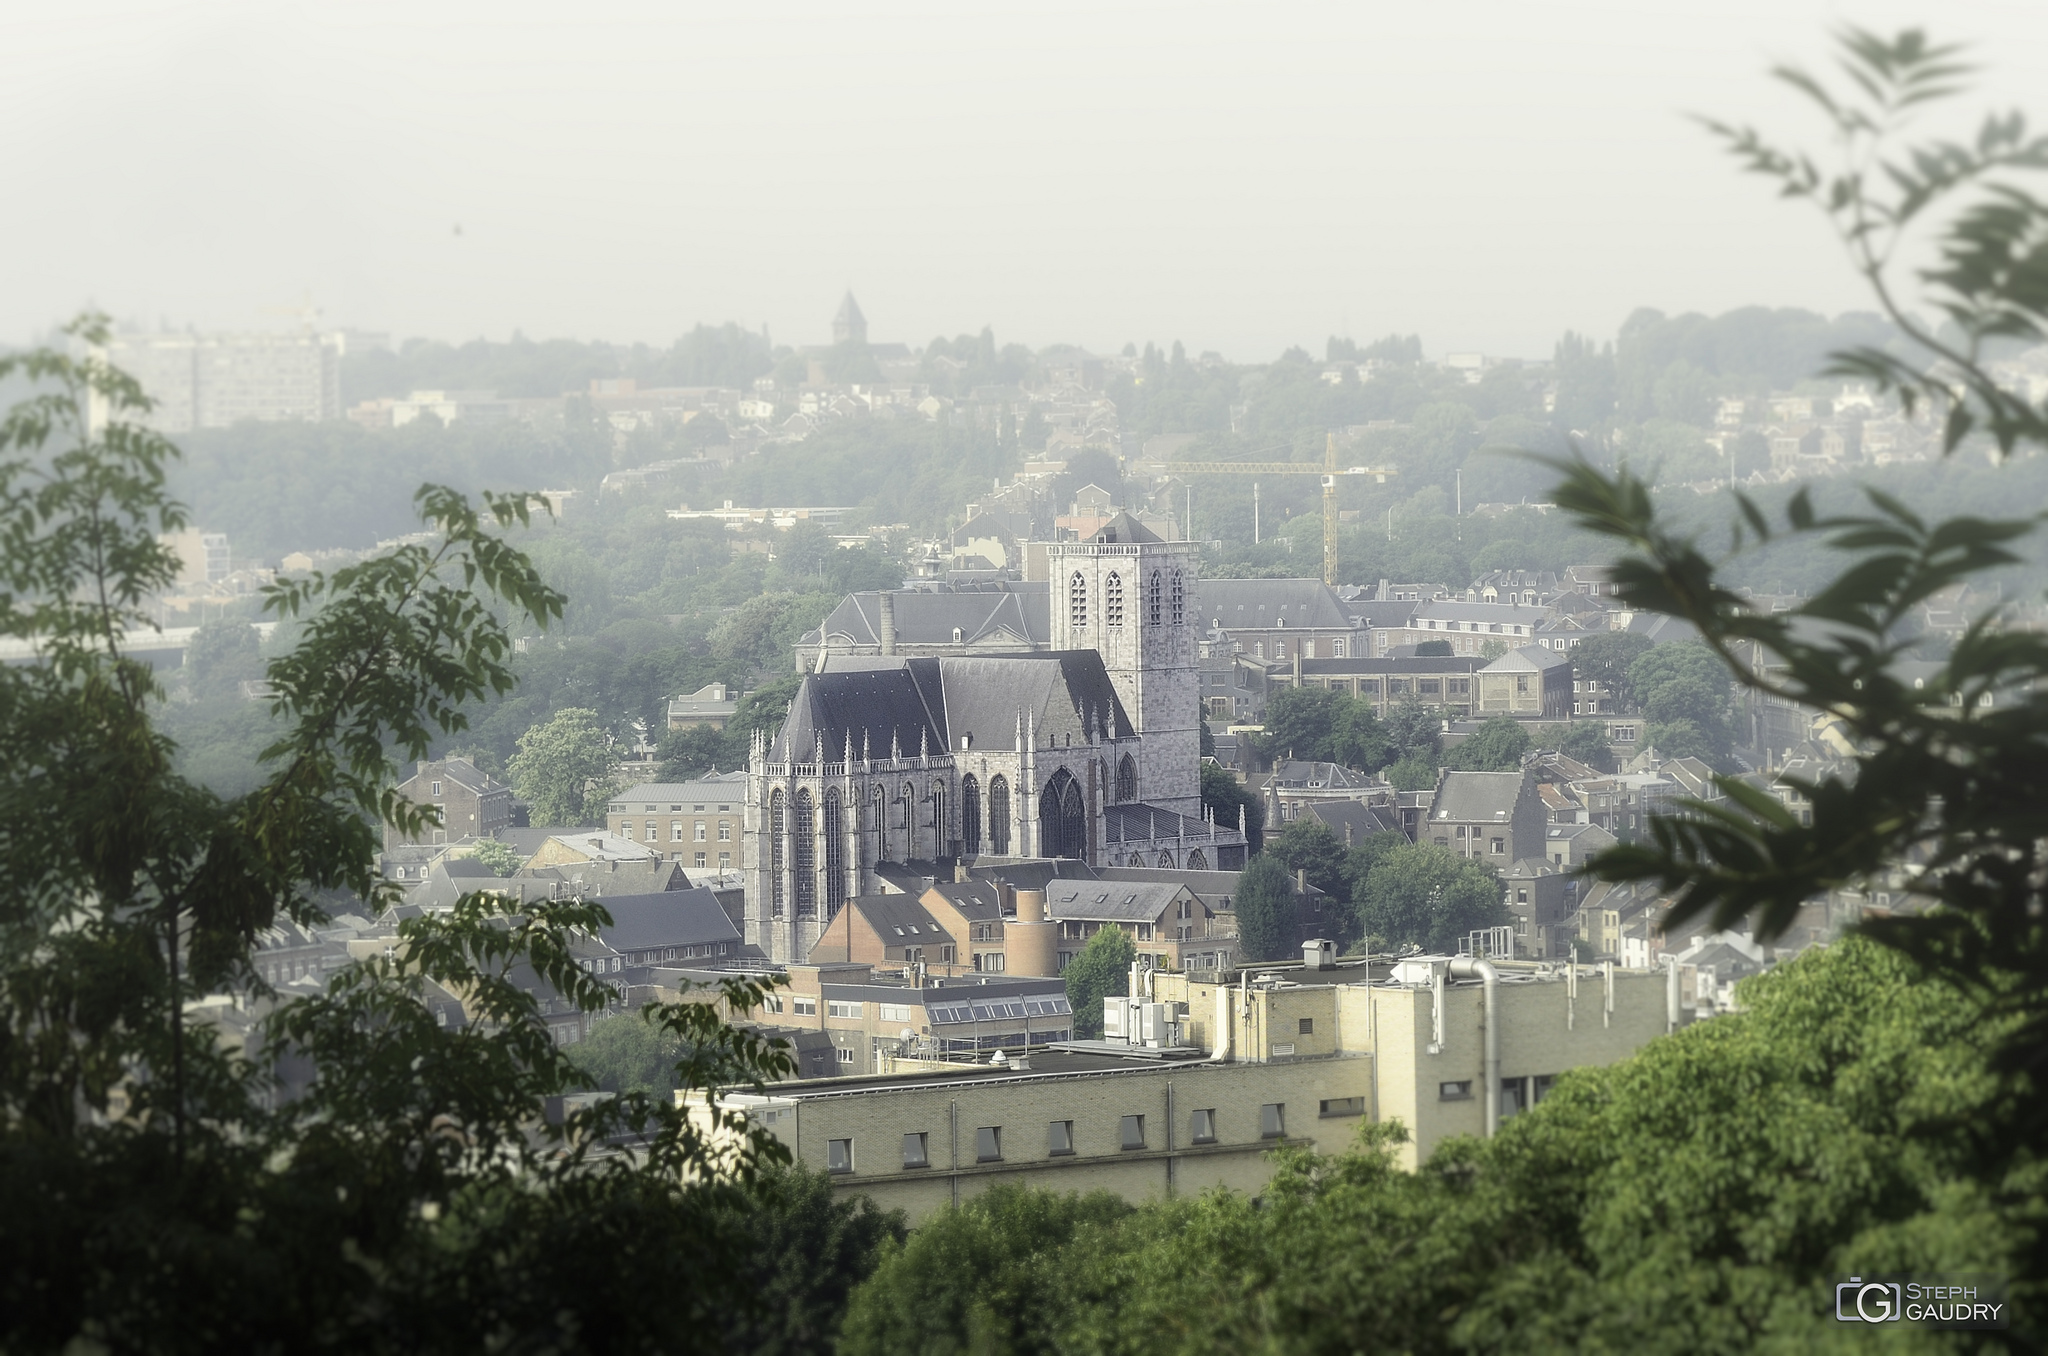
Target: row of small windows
1165	596
991	1146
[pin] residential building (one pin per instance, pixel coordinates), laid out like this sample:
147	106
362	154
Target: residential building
197	381
701	823
1493	817
1529	681
1281	619
1470	628
712	704
1170	925
667	927
466	802
1444	681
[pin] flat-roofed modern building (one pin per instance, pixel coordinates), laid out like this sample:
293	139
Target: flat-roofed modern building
1300	1054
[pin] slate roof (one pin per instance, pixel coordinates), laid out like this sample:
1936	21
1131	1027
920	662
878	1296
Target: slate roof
1125	529
730	787
1303	773
1265	604
899	920
671	918
1015	613
878	702
1528	659
1385	614
1120	901
1397	664
1447	609
1139	822
1363	820
1471	796
975	899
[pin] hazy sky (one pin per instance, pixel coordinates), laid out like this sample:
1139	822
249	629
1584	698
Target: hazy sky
1239	177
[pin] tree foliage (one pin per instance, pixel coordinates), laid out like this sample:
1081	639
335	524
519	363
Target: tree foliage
1265	910
563	769
1496	746
163	1190
1102	970
1944	777
1427	896
1702	1196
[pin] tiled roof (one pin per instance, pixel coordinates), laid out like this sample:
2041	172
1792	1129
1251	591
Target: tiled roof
1266	604
671	918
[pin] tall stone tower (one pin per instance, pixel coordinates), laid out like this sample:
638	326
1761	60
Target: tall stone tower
1130	597
849	326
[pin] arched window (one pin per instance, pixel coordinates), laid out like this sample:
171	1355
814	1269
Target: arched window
1126	780
777	848
1062	818
940	824
1180	601
1113	600
803	834
1166	859
970	816
1197	861
835	853
1077	601
878	820
906	817
999	816
1155	600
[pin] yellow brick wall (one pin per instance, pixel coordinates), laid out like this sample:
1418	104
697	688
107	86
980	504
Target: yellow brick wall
950	1113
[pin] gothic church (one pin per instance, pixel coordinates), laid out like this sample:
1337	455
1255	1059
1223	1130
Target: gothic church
1089	751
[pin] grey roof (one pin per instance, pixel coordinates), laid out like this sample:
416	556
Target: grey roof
975	899
1264	604
899	920
1119	901
462	772
1124	528
877	702
1528	659
730	787
603	879
1382	613
670	918
1139	822
1363	666
930	616
1448	609
1476	796
1307	773
1361	819
1662	630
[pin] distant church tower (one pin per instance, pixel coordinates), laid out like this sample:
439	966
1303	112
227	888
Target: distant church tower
1130	597
849	325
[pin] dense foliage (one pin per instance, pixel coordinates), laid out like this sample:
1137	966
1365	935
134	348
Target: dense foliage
348	1170
1702	1197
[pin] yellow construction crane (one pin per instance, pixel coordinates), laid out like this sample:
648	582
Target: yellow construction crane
1328	471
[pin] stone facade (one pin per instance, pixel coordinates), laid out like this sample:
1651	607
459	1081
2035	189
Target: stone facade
1090	750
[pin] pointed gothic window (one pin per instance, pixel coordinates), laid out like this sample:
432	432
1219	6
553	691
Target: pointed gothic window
1180	602
1155	600
804	852
1077	601
1113	600
1126	780
999	816
1062	818
970	816
777	848
835	853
